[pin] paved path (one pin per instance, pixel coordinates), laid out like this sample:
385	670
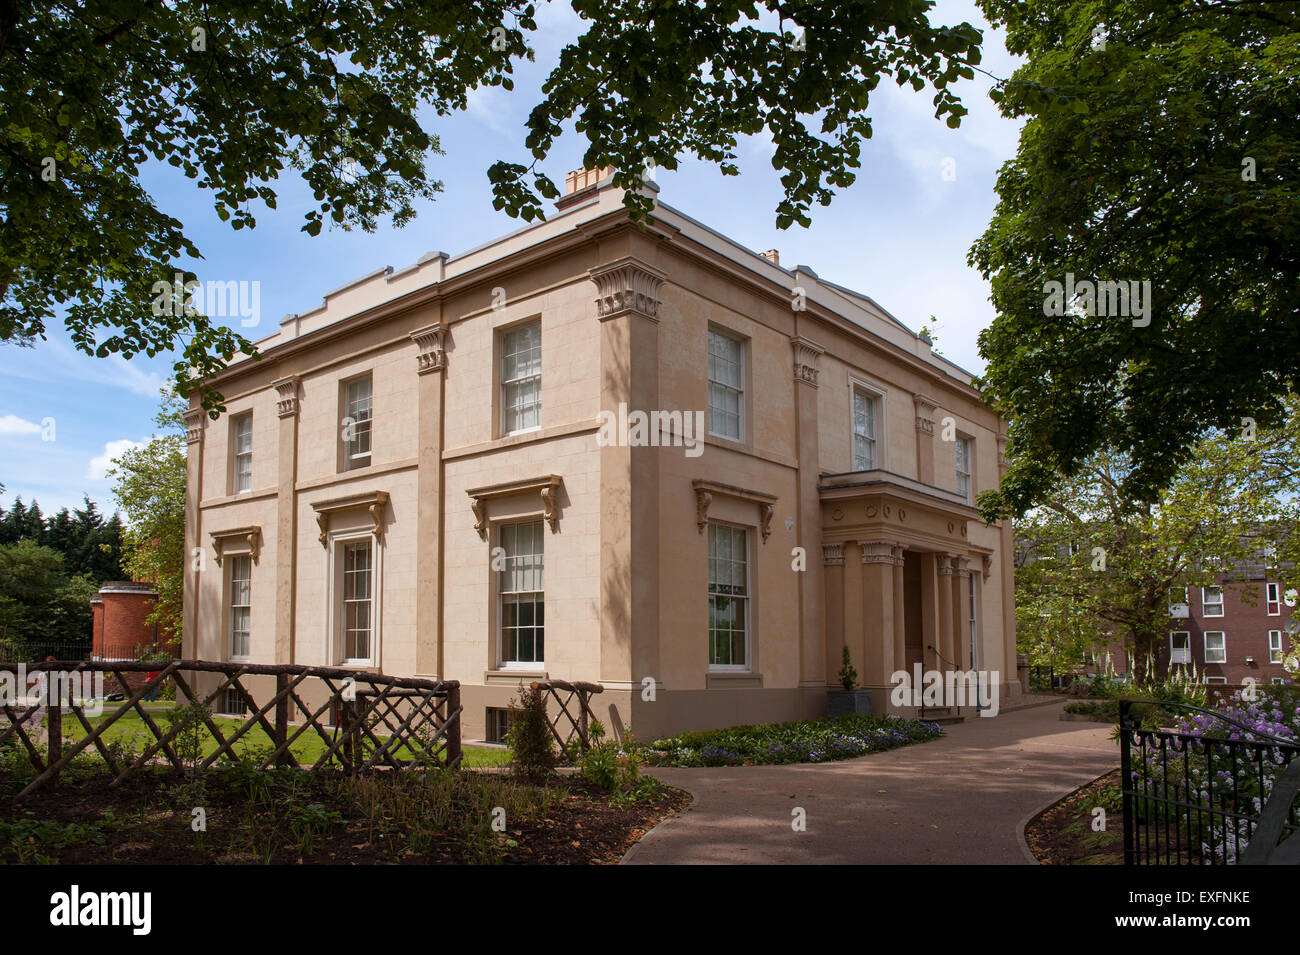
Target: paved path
959	799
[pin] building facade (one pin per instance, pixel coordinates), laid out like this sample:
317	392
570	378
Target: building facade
1230	632
644	457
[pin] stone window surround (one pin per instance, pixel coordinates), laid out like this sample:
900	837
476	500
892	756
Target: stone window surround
546	487
705	490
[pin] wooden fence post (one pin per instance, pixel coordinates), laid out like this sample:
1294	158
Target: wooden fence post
455	723
282	719
54	719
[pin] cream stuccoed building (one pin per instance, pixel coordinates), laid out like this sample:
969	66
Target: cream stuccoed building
645	457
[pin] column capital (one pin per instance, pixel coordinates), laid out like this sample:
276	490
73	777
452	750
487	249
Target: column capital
898	551
945	564
833	554
877	552
627	286
806	353
286	396
194	425
431	356
961	566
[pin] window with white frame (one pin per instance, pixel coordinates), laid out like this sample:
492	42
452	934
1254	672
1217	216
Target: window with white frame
358	412
1216	679
521	378
865	406
1275	646
242	428
1216	646
356	601
962	448
1177	597
521	595
726	386
1273	597
1180	646
1211	601
728	597
241	606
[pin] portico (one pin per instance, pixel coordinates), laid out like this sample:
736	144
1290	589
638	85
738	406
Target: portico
903	580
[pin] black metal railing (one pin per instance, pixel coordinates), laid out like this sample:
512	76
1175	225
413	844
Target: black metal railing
1193	799
66	651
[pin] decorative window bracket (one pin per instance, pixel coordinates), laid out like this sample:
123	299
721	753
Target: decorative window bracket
373	504
245	540
705	490
546	487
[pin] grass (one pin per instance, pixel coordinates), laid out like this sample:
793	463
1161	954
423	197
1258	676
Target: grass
803	741
131	732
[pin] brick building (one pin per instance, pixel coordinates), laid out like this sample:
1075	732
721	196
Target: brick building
121	628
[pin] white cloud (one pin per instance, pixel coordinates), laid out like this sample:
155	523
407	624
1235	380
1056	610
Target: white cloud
100	464
12	425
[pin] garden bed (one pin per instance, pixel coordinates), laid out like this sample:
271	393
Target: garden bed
804	741
289	816
1063	833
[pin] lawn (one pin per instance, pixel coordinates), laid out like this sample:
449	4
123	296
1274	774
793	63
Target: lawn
131	732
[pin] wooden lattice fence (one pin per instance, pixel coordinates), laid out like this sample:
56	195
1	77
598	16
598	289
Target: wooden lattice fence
573	714
365	720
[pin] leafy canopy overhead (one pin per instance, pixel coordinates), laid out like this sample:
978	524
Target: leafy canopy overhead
233	96
1162	146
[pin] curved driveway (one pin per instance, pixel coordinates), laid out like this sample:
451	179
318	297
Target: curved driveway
959	799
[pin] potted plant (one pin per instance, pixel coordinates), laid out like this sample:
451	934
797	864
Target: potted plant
848	700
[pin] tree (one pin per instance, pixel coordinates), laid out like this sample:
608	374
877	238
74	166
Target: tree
149	484
1095	566
92	91
39	602
1162	146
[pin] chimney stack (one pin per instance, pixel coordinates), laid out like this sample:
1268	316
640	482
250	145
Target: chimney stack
773	256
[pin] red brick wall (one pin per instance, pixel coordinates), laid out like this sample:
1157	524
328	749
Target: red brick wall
120	621
1245	623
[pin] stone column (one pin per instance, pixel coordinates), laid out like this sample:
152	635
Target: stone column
430	366
286	519
808	517
195	558
833	560
877	612
929	611
925	409
961	607
900	610
944	586
627	307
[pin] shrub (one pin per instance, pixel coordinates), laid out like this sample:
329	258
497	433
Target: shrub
531	744
848	673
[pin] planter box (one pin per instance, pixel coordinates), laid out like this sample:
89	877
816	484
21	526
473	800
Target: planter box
844	702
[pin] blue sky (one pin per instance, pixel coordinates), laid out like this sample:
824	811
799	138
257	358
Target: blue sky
900	234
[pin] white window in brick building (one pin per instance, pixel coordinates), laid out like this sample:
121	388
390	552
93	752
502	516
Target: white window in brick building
1273	598
1211	601
521	378
521	596
1275	646
1180	647
726	386
1216	646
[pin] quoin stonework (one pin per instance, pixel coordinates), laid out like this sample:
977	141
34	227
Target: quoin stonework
411	480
